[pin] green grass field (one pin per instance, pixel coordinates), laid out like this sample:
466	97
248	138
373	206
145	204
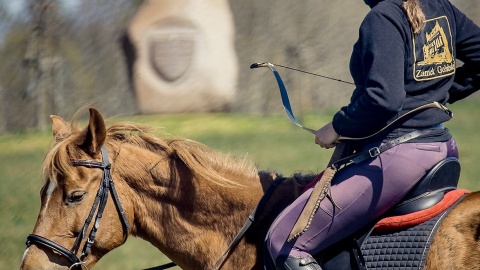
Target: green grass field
271	141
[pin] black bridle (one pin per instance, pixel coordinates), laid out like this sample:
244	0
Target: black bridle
100	202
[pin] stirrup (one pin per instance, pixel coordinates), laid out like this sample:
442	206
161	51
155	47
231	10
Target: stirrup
295	263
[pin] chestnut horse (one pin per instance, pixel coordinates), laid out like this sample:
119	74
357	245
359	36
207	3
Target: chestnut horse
184	198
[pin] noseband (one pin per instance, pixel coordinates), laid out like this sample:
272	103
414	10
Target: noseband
100	202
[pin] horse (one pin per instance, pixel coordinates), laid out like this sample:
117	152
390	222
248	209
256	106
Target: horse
187	200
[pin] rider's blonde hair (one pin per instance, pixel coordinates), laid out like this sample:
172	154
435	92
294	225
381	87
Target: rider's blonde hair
415	15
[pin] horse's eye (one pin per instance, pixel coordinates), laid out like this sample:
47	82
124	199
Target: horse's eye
76	196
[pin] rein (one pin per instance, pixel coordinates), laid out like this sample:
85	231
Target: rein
106	186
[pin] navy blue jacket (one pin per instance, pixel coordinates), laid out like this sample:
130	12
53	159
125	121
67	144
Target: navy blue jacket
396	71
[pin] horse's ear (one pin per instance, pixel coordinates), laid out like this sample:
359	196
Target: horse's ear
60	128
94	134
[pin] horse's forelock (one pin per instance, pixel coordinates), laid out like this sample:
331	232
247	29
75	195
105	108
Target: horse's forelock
58	158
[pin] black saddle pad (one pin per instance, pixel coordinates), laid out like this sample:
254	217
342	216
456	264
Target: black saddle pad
401	250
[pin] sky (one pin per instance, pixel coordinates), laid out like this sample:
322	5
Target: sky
14	6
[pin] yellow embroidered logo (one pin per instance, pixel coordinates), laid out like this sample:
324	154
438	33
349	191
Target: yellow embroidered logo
433	51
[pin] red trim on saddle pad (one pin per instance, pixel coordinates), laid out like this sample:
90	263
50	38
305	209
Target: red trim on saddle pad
409	220
314	181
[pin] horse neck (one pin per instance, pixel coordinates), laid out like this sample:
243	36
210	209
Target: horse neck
188	219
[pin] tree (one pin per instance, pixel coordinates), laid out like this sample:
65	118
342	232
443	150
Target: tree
40	56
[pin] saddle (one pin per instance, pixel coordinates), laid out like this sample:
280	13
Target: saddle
431	189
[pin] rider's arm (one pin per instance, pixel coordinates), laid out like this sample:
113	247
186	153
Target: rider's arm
377	67
467	77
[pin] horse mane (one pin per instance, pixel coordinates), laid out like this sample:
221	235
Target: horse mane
201	160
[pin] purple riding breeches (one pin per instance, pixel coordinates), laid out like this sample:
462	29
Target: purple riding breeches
363	192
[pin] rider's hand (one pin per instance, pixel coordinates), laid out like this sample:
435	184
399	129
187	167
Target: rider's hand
326	136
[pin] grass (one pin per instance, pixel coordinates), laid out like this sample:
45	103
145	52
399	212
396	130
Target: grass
271	141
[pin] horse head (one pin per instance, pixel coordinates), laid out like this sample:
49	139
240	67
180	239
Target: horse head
69	232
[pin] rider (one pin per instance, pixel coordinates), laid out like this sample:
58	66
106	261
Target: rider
405	57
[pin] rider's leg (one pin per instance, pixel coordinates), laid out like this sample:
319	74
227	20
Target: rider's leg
363	192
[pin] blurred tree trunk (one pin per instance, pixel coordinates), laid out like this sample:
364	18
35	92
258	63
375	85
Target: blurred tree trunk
3	117
39	57
3	120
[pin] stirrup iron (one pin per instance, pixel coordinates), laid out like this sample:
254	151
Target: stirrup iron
297	263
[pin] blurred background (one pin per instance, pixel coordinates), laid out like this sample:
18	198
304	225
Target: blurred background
179	64
172	56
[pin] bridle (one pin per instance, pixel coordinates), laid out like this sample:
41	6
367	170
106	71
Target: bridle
106	185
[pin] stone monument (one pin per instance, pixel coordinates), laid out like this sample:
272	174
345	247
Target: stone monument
182	56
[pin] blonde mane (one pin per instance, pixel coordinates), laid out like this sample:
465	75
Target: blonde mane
202	161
